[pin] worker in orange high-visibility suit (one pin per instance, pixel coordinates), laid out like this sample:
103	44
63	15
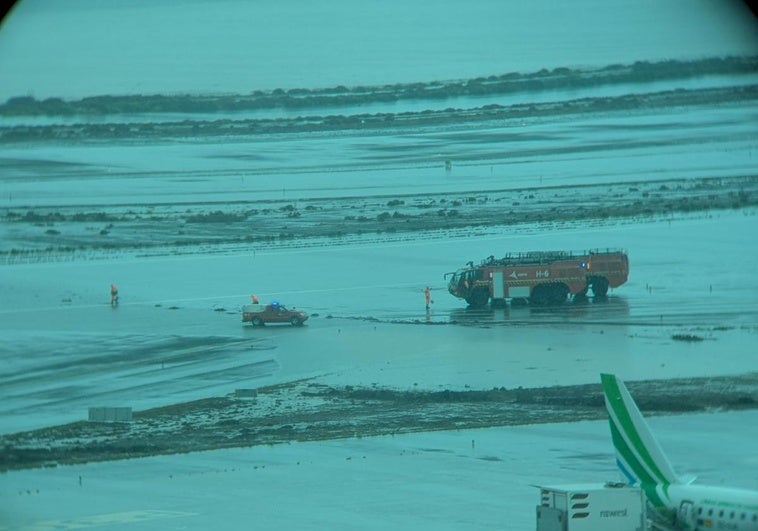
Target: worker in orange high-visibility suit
114	295
254	298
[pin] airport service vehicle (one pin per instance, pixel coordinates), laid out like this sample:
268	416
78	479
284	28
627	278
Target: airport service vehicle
539	277
260	315
613	506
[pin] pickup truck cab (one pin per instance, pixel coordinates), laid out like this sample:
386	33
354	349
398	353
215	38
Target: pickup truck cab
260	315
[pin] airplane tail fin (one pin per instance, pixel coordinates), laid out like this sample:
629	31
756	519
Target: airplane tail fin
638	455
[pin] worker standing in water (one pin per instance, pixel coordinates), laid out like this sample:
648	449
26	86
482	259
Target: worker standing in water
114	295
428	296
254	298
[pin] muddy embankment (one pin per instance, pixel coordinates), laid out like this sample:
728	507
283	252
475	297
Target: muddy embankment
64	232
309	411
227	127
305	99
33	233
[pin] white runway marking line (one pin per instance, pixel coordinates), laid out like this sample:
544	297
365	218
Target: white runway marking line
99	520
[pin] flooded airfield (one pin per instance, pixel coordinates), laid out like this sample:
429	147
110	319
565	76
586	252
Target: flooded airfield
349	217
354	240
177	333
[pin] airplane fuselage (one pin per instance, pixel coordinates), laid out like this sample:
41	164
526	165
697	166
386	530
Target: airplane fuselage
704	507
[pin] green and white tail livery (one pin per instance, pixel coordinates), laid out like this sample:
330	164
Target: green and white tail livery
642	462
638	455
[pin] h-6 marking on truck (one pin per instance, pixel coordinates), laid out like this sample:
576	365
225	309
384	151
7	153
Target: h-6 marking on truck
539	277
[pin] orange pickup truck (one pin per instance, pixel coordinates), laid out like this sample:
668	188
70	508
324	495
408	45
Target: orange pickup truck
260	315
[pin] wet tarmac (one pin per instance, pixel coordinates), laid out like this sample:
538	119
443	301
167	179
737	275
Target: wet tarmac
177	333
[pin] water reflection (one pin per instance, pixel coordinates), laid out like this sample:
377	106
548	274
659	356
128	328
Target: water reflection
598	309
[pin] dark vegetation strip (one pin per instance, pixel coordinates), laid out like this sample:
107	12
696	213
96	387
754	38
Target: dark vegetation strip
50	229
303	98
367	122
303	411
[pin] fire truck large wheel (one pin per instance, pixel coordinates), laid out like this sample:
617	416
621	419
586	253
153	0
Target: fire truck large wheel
600	286
257	321
581	296
480	297
559	293
540	295
295	321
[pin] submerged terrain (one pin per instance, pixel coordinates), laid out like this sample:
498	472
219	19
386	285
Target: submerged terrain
348	201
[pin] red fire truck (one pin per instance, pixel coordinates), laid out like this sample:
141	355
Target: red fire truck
540	278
